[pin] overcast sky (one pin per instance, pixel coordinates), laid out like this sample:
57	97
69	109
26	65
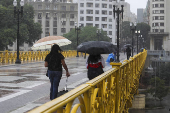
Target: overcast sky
135	4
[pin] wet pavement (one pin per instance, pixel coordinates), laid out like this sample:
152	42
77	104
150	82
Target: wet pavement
25	86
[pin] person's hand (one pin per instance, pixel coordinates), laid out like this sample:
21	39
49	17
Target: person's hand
67	74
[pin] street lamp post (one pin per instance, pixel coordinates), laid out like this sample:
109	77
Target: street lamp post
132	28
17	12
98	33
137	33
118	12
77	28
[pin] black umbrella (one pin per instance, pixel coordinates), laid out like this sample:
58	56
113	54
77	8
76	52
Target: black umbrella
96	47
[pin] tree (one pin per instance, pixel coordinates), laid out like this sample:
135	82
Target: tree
144	30
165	73
87	33
29	30
126	33
160	90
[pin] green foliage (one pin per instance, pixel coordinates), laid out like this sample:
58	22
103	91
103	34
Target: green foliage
28	29
144	30
126	33
165	73
87	33
160	90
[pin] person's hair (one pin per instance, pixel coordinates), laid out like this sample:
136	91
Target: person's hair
55	49
93	58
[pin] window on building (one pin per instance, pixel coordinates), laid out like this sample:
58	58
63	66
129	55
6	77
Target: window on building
47	7
104	5
89	24
47	15
55	7
110	12
81	4
81	18
161	5
81	11
97	5
39	6
161	24
110	20
156	24
97	25
104	12
55	31
71	15
55	24
104	19
161	17
89	11
63	23
110	26
71	23
47	24
161	11
156	18
89	18
55	16
39	15
110	6
162	30
47	32
63	30
104	25
96	18
89	4
63	15
156	30
71	8
156	5
96	11
110	32
63	8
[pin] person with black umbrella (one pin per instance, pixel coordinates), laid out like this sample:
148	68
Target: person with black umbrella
95	65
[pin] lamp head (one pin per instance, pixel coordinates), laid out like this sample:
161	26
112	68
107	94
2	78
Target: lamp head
75	23
139	31
15	3
130	24
22	3
135	24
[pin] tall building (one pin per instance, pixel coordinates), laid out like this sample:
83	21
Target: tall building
126	13
146	14
56	17
140	12
133	17
159	22
98	13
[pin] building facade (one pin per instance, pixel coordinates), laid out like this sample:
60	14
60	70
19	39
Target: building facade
159	22
98	13
56	17
140	12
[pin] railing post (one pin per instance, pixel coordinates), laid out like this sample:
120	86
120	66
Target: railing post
117	100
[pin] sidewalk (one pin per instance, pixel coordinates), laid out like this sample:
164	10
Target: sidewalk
28	79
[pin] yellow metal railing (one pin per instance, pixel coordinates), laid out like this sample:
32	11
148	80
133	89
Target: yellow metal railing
111	92
10	56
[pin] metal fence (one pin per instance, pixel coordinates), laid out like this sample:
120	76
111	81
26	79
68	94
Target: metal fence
10	56
111	92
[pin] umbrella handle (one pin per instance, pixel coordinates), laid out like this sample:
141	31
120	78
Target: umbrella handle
66	84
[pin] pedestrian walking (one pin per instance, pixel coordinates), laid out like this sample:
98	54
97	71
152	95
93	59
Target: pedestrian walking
95	65
54	61
128	52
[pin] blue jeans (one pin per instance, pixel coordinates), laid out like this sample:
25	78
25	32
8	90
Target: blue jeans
54	77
